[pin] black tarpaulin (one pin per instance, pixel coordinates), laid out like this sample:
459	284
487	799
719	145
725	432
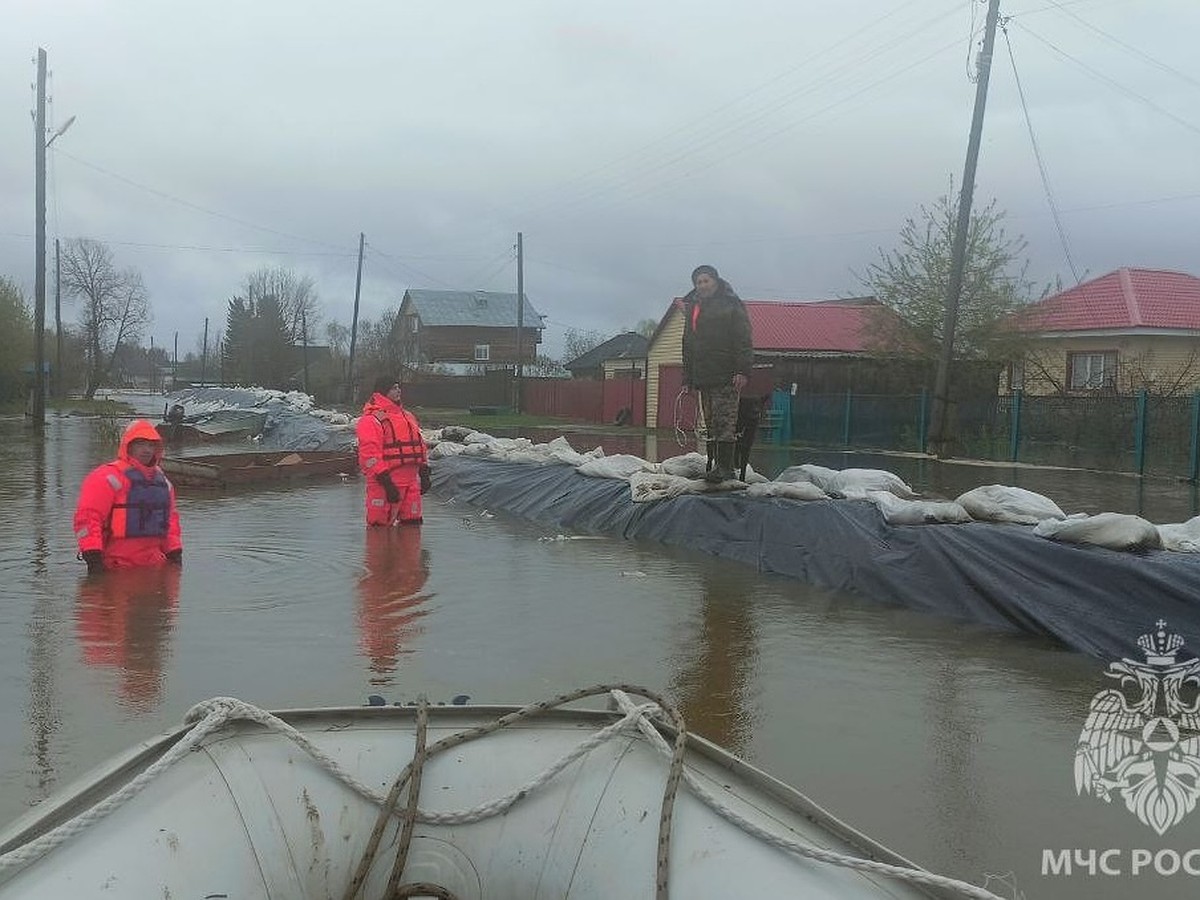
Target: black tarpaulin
1091	599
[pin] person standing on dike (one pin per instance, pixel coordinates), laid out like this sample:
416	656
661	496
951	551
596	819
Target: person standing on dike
718	354
393	456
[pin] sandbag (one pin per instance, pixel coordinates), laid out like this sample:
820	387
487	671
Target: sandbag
1116	531
1001	503
917	512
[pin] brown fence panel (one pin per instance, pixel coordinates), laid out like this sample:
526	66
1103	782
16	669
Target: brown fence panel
670	380
567	398
625	399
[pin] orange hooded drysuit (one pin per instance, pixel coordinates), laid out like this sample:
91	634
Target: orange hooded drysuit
126	509
389	441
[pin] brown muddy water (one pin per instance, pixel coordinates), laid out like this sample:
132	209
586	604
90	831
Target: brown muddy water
951	744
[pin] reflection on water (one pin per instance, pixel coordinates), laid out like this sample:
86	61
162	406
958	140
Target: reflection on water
124	620
717	665
389	597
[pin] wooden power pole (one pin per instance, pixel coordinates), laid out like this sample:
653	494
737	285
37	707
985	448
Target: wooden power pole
939	439
520	315
39	276
354	322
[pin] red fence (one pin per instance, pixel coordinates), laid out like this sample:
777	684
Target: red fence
614	400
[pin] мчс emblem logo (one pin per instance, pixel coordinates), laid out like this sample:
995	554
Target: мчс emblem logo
1141	742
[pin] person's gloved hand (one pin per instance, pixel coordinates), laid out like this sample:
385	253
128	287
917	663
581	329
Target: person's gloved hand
94	560
175	557
426	480
389	487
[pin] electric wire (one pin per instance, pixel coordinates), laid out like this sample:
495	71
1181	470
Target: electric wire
380	255
704	120
190	205
503	258
735	127
684	176
1041	164
1100	76
1140	54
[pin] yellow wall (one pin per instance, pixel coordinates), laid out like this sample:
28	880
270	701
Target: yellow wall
1167	364
665	349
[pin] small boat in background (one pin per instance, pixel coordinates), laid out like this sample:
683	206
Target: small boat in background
219	425
544	800
219	470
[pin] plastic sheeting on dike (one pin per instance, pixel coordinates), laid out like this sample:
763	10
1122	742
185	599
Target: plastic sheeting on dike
1091	599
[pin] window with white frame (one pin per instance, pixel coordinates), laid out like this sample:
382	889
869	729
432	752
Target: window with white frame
1092	371
483	352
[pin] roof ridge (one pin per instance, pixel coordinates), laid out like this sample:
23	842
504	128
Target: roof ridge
1130	295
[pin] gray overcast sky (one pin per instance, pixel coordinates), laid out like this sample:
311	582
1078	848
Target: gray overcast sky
783	141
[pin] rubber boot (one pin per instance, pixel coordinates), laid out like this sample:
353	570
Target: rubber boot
723	470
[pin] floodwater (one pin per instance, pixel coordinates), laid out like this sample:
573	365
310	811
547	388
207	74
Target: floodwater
951	744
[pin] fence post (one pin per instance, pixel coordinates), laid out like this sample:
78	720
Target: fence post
846	421
1014	426
1194	468
923	420
1139	434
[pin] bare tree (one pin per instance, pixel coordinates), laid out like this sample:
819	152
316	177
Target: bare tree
577	342
296	295
115	309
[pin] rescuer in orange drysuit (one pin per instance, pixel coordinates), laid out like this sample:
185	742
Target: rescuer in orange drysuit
392	454
126	514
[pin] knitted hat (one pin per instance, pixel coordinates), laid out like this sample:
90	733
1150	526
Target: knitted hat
704	270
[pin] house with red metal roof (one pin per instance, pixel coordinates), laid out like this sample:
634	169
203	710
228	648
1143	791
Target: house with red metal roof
821	344
1129	330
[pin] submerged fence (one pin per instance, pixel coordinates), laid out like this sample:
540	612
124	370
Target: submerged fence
1139	433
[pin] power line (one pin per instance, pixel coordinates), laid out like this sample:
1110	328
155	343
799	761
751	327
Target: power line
1109	81
687	175
1146	57
381	256
195	206
704	121
1037	153
734	128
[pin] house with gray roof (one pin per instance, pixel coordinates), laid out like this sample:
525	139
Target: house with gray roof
456	329
623	356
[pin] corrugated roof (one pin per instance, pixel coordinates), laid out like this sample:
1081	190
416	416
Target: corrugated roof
471	308
818	326
1121	300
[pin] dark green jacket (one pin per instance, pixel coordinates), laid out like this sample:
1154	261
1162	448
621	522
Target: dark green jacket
716	339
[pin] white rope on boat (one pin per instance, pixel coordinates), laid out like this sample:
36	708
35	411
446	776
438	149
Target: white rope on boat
211	715
918	876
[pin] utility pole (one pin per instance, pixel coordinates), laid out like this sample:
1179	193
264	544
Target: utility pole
175	364
152	366
939	418
39	278
204	355
304	344
520	314
354	322
58	353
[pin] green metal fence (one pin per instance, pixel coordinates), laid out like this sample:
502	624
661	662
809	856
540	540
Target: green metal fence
1139	433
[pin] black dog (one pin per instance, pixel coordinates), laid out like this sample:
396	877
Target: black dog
750	411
